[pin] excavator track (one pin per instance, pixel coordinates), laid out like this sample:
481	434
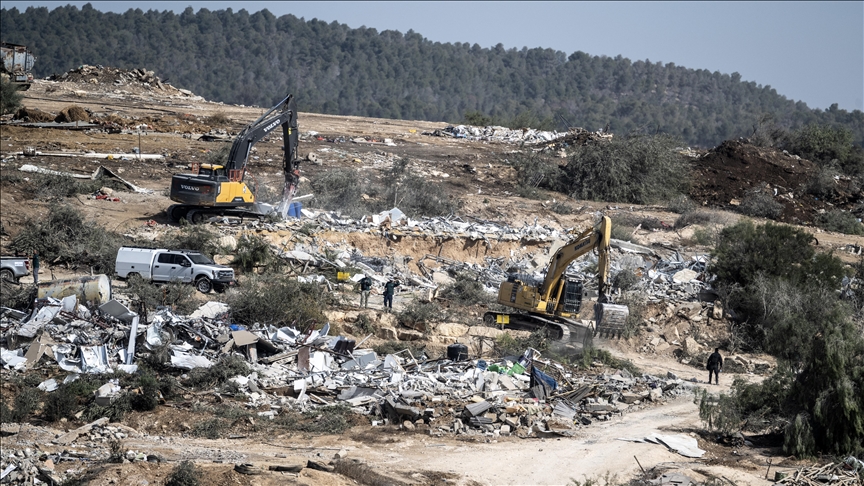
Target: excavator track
198	215
611	319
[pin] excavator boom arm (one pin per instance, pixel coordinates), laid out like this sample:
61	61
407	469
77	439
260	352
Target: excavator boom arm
596	237
238	158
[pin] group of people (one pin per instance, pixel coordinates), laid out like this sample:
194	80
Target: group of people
366	288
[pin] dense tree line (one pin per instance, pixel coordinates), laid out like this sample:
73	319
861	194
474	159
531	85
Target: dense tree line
254	59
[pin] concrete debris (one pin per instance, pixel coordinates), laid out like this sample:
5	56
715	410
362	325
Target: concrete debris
685	445
100	173
546	140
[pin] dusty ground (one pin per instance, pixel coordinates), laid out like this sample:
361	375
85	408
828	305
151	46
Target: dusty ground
477	174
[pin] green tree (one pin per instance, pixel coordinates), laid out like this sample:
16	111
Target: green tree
745	251
10	97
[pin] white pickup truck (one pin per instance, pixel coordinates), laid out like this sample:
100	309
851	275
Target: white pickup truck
161	265
13	268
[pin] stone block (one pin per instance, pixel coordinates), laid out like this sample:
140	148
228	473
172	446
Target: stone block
483	331
451	329
409	335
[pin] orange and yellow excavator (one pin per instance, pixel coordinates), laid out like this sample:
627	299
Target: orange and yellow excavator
220	190
556	302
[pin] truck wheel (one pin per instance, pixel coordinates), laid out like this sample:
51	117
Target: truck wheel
204	285
7	275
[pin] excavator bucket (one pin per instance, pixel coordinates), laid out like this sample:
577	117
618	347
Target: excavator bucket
611	319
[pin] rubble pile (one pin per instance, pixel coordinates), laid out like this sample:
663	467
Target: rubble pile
576	137
108	75
550	140
297	369
496	134
845	473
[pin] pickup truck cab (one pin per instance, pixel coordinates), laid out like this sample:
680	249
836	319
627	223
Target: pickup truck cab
162	265
13	268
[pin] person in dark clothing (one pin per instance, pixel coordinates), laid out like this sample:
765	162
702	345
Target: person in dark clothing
715	365
35	268
389	288
365	289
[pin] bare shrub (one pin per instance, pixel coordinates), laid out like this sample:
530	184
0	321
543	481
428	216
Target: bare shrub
280	301
822	183
393	347
72	113
561	208
418	312
211	428
34	115
196	237
219	155
226	368
841	222
330	419
174	294
184	474
413	193
64	237
591	354
621	232
700	216
625	279
637	169
466	290
218	118
681	204
15	296
759	204
341	189
254	251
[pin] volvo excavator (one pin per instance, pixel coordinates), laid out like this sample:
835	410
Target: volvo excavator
556	302
220	190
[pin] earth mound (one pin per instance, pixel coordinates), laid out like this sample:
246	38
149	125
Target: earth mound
734	170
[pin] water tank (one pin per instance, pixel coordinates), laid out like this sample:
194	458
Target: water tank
457	352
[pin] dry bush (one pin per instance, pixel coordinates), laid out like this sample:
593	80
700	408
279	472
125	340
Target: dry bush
681	204
184	474
64	237
759	204
34	115
701	216
72	113
636	169
280	301
841	222
218	118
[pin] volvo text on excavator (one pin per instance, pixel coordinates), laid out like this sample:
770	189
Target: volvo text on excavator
220	190
556	302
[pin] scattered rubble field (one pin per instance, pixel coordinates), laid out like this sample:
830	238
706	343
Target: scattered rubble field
441	427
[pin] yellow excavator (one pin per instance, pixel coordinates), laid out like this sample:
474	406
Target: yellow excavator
220	190
556	302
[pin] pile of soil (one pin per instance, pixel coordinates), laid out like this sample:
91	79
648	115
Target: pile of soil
724	176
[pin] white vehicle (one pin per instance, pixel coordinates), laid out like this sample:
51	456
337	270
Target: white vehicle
161	265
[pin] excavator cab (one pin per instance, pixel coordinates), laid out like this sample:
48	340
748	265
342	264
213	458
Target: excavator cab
213	172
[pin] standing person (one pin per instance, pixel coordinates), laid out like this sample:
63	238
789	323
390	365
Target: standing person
389	288
715	365
365	288
35	268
